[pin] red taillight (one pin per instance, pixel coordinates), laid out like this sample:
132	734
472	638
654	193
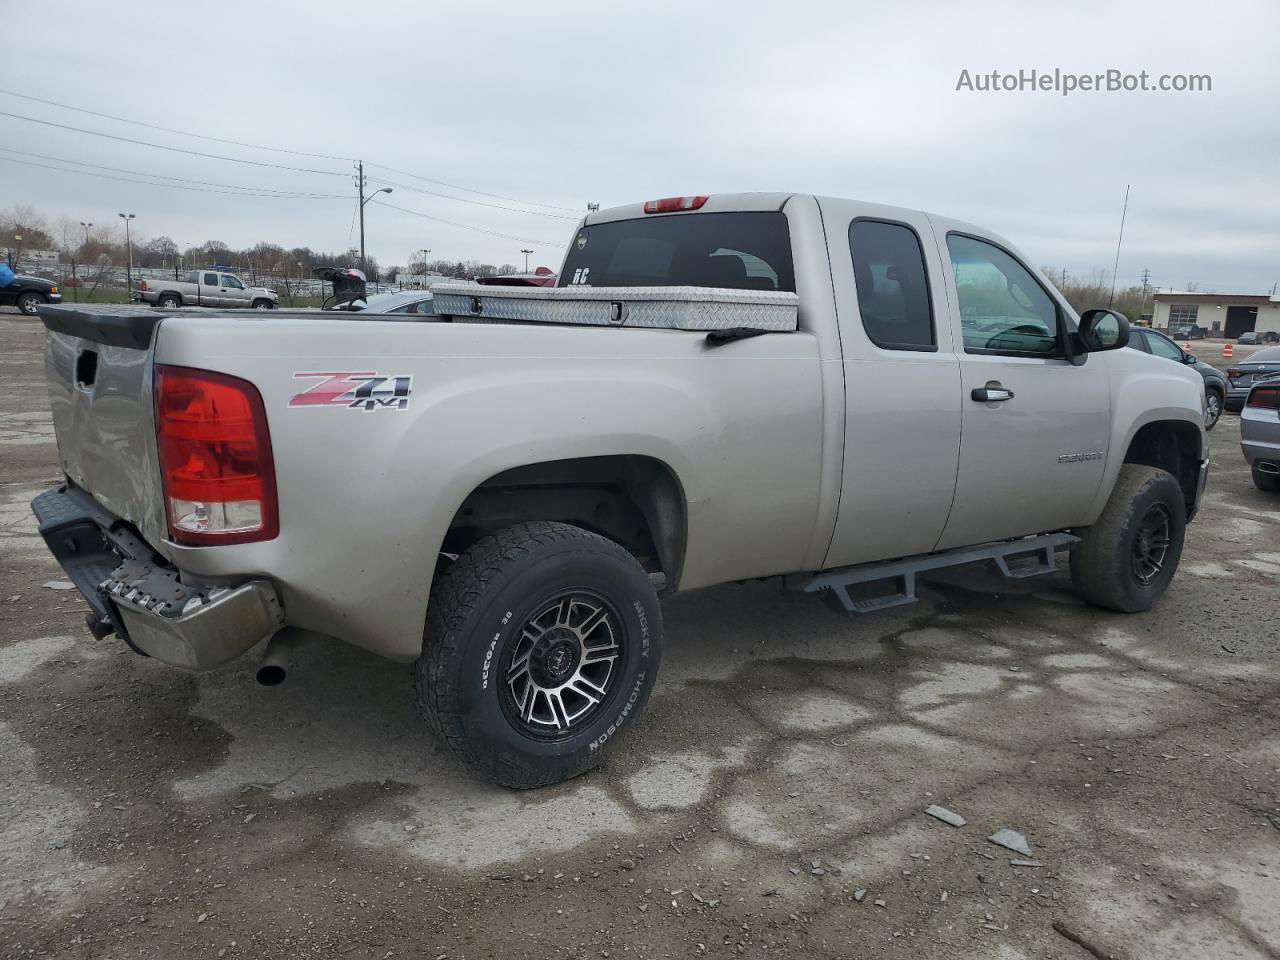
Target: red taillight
215	458
673	204
1265	398
1232	373
142	285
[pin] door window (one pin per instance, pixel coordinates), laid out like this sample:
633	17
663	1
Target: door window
231	283
893	287
1003	309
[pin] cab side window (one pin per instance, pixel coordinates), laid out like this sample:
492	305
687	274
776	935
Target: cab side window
231	283
892	285
1003	309
210	279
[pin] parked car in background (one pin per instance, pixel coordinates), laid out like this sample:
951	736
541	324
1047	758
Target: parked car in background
1187	331
1252	336
1241	376
203	288
27	293
401	301
1260	433
1216	385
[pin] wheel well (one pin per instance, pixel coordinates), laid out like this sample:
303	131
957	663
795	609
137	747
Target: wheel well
635	501
169	293
1171	445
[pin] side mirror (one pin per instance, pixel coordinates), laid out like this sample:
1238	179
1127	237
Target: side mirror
1191	358
1102	329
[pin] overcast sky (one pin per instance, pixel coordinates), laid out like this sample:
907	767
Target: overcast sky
562	104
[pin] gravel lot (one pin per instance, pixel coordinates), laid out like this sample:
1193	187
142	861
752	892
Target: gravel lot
771	804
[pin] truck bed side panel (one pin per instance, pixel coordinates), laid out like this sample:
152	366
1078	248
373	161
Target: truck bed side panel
367	496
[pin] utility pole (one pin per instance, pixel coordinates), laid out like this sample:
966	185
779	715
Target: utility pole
360	185
1146	279
360	189
526	259
592	207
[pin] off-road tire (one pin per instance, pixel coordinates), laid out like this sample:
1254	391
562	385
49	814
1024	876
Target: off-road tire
1266	482
1102	566
169	301
29	303
480	607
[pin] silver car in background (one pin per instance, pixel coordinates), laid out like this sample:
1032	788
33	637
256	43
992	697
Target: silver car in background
402	301
1260	433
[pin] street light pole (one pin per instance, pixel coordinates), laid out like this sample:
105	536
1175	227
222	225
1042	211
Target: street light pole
526	259
360	184
75	279
128	242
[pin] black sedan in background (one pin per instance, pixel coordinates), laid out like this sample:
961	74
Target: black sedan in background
1259	365
1215	384
27	293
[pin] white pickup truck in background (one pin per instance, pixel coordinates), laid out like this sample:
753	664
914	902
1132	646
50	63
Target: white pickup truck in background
496	493
203	288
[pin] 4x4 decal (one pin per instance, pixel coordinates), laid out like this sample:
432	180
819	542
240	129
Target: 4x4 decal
355	390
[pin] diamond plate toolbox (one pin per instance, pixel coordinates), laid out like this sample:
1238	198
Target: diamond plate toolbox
668	308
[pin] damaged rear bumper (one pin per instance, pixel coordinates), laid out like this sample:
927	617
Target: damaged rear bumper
136	593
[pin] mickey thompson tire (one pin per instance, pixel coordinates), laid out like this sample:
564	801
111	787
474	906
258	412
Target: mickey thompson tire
1126	560
542	644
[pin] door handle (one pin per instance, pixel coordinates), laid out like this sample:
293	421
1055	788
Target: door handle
993	392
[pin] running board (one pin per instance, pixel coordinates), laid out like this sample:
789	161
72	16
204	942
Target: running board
1039	550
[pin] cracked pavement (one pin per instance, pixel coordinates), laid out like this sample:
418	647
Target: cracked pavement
770	803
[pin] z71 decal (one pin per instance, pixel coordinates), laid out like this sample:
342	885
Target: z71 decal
355	390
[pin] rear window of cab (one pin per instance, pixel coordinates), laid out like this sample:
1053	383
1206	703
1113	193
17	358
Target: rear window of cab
738	251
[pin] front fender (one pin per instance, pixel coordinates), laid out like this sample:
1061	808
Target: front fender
1143	394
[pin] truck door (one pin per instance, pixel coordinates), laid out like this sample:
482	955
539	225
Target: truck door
901	383
210	292
1035	427
234	293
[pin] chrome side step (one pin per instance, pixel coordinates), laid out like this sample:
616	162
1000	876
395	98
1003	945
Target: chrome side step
1033	556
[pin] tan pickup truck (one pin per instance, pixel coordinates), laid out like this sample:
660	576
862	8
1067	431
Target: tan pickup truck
838	394
203	288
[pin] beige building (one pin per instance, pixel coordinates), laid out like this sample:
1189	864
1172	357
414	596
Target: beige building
1222	314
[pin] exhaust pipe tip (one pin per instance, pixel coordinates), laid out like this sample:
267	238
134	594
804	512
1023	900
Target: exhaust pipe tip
278	657
271	674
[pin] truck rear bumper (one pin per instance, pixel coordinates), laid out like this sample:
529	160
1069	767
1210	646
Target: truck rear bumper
133	589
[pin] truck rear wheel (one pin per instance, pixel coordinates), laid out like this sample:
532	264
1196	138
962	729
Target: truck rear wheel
1126	560
169	301
541	647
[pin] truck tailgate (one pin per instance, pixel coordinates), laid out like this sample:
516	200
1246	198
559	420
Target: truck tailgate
99	378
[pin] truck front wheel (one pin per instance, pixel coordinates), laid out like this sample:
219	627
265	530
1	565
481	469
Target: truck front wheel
1126	560
541	649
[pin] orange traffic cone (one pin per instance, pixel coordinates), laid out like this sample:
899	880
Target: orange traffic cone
1227	350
